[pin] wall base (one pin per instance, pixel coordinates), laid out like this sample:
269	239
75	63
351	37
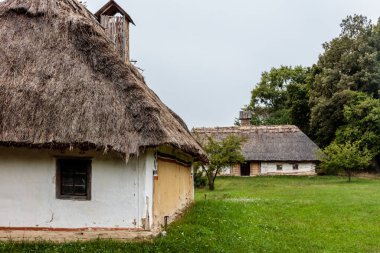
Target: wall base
59	236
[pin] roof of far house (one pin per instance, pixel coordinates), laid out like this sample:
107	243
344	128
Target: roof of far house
62	84
267	143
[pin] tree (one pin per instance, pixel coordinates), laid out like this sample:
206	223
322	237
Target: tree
346	157
362	123
327	116
221	154
349	62
298	105
337	100
282	97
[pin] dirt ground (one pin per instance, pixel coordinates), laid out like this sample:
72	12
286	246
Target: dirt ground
69	236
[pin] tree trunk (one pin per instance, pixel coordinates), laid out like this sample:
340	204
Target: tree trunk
211	179
349	175
376	163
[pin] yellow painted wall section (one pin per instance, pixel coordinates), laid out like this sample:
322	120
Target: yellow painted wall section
173	189
255	168
236	170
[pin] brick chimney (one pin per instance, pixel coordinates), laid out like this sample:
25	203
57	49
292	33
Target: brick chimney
115	22
245	118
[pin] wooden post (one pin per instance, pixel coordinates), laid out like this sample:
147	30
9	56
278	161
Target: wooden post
117	30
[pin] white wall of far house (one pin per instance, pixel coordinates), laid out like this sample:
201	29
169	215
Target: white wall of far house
121	193
270	168
287	168
226	171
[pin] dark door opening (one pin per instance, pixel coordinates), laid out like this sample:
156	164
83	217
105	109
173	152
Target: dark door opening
245	169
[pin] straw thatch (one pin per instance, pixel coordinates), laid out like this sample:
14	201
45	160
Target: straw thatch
63	85
267	143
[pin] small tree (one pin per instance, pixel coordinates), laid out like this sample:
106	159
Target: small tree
345	157
221	154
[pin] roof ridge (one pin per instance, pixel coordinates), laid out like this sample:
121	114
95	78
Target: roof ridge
249	129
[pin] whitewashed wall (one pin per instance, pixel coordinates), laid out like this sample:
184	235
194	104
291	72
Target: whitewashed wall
287	168
226	171
121	193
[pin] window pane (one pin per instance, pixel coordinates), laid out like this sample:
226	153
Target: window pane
80	179
80	190
67	190
67	180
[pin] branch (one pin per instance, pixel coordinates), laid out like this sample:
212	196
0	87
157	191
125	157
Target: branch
216	173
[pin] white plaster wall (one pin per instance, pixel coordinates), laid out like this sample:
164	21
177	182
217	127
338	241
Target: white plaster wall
226	171
119	191
287	168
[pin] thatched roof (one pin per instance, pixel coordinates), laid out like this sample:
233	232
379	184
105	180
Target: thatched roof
63	85
267	143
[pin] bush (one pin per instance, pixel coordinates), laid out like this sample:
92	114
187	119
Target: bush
347	157
199	180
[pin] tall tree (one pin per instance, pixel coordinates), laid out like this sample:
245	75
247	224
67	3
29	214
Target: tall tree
362	124
281	97
336	101
349	62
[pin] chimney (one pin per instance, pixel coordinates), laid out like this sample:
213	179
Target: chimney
115	22
245	118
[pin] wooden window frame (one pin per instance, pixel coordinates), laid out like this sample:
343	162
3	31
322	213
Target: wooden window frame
295	166
58	183
279	167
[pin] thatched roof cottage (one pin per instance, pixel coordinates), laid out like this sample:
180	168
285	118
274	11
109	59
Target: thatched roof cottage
268	150
84	143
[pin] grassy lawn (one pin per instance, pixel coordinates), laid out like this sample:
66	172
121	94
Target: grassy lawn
264	214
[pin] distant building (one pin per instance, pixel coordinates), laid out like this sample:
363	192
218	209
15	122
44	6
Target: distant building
268	150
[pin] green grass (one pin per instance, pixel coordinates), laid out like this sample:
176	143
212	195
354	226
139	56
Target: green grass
263	214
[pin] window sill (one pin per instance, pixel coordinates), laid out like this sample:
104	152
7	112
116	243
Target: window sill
76	198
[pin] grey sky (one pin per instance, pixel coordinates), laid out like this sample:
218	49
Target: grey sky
203	57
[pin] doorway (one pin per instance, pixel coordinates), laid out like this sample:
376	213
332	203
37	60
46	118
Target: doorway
245	169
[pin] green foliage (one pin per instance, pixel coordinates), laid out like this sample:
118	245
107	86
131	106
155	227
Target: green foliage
199	180
308	214
362	122
281	97
327	117
221	154
350	62
298	104
346	157
225	152
271	101
356	25
337	99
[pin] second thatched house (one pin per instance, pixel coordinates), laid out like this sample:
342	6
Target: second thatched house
268	150
84	143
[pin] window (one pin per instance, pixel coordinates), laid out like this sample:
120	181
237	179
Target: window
279	166
295	166
73	179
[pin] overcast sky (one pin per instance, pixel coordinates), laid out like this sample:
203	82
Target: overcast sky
203	57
